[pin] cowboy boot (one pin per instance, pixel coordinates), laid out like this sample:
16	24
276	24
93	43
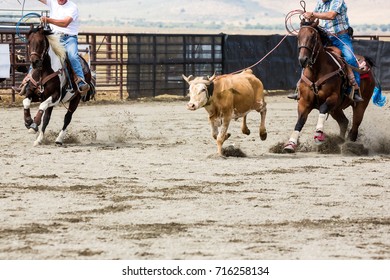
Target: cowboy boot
82	86
294	95
357	96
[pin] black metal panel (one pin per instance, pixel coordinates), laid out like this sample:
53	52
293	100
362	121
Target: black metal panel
278	69
379	52
156	62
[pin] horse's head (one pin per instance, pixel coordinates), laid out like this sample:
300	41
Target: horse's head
38	45
309	42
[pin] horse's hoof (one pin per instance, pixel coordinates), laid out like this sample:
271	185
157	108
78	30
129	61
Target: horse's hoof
290	147
33	128
58	143
319	137
263	136
37	143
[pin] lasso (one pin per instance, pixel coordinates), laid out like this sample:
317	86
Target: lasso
17	27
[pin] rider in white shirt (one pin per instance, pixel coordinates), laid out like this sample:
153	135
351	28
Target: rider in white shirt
64	20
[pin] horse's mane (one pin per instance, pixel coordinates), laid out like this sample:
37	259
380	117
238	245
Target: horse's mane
57	47
321	31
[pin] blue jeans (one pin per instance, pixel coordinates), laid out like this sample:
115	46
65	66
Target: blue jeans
347	51
71	46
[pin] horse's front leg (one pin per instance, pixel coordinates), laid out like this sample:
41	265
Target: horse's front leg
303	113
46	120
42	108
319	135
26	110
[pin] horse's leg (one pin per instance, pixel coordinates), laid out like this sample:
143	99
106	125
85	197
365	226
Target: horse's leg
319	136
27	115
73	104
42	108
357	117
342	120
244	127
303	113
46	120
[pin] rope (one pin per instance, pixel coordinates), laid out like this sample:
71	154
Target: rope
293	31
29	15
253	65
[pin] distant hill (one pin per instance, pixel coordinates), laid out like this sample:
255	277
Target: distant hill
367	16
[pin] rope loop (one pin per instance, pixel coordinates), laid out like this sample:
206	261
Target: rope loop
17	27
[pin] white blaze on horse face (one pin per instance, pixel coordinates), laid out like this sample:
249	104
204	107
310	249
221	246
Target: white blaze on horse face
198	96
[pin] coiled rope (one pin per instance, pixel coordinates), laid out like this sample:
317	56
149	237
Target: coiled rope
24	19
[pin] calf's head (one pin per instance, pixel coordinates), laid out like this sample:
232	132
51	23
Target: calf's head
200	91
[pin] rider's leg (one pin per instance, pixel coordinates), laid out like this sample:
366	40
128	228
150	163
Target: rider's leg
295	94
71	46
344	43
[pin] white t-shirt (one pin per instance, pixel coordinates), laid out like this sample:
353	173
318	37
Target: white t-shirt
69	9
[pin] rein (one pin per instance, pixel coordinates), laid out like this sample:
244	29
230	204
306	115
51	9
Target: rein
39	85
315	85
314	55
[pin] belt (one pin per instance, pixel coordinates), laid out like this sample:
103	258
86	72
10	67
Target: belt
64	34
342	32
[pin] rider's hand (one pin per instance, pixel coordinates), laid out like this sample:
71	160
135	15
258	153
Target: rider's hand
44	19
308	15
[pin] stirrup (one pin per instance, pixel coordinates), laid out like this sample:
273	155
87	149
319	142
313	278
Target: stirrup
84	88
357	97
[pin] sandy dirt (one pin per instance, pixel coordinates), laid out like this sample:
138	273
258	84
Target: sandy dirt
140	180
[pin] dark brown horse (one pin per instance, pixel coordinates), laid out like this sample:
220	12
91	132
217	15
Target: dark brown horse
50	82
323	86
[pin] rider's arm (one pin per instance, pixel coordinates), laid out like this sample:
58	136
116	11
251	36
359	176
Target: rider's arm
58	22
326	15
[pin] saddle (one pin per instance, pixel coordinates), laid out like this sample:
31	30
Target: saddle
89	78
364	66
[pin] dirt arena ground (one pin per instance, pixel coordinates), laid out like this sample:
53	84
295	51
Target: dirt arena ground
140	180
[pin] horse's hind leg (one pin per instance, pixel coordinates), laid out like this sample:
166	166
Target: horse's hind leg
342	120
67	119
358	113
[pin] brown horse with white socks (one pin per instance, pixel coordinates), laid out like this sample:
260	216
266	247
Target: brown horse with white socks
323	86
50	82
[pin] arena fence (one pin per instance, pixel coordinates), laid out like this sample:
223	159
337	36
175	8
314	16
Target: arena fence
143	65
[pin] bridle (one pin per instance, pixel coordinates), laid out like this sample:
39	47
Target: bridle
315	50
40	55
